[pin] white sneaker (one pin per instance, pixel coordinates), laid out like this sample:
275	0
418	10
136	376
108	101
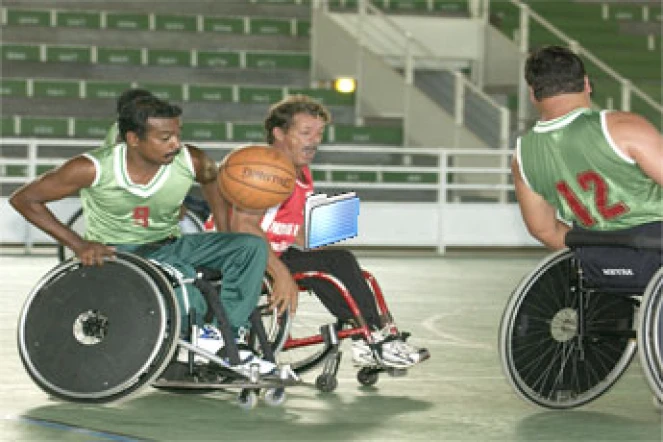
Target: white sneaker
362	355
248	359
399	354
391	350
210	338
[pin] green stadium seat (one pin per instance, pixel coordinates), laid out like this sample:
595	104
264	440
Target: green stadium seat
218	59
217	94
180	23
318	175
167	57
413	6
23	17
204	131
260	95
13	87
277	60
450	6
7	127
123	21
169	92
14	52
91	128
328	97
248	132
224	25
303	28
68	54
57	88
368	135
269	26
76	19
354	176
15	171
105	89
44	127
119	56
410	177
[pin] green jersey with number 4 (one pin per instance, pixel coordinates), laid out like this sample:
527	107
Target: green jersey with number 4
575	165
118	211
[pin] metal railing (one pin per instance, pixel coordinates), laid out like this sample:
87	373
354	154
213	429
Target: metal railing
626	86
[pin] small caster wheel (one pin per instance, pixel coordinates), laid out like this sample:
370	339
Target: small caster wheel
326	383
275	396
367	377
247	399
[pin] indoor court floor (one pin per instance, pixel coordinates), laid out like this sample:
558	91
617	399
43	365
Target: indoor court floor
450	304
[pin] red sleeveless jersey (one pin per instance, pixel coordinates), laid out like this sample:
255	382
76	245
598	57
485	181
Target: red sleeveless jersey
282	223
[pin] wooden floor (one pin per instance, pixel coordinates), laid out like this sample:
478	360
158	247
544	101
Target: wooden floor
451	304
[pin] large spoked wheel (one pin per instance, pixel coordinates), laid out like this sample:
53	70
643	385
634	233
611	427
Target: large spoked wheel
650	334
190	223
547	357
296	338
96	334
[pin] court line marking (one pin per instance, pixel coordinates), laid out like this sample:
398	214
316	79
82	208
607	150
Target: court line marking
71	428
451	339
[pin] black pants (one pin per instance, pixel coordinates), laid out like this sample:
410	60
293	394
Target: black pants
344	266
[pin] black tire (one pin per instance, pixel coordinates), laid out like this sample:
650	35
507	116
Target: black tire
547	359
107	307
650	335
326	383
368	376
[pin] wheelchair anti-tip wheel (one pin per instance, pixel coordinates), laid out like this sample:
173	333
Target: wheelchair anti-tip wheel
96	334
561	346
650	335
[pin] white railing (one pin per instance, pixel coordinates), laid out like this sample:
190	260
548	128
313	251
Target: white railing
627	87
458	176
412	54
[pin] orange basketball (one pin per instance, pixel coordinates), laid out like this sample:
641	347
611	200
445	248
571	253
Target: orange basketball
256	177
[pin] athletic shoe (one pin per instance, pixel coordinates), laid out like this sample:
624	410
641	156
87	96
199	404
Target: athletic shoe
390	350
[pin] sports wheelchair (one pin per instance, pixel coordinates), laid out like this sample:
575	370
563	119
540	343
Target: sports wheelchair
97	334
566	338
312	338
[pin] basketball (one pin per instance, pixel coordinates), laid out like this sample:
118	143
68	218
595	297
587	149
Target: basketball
256	177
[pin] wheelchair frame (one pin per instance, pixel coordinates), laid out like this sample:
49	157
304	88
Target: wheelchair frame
67	312
324	342
563	345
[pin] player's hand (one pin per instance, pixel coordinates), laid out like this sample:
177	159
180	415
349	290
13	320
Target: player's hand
93	253
285	293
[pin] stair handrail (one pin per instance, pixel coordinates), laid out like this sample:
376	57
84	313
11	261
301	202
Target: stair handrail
627	86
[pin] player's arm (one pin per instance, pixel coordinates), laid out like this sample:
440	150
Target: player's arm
206	172
30	201
285	289
640	140
540	217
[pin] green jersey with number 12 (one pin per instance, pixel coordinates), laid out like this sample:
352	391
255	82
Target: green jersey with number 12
575	165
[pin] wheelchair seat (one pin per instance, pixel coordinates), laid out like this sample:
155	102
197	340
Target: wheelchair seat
566	338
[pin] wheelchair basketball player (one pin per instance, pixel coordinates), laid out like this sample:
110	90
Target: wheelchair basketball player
131	196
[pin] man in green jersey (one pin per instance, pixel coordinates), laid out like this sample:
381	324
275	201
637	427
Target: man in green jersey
595	170
602	170
131	196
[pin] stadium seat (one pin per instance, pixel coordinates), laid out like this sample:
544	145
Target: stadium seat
76	19
24	17
183	23
410	177
261	95
13	87
217	94
44	127
56	88
368	135
119	56
124	21
204	131
91	128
